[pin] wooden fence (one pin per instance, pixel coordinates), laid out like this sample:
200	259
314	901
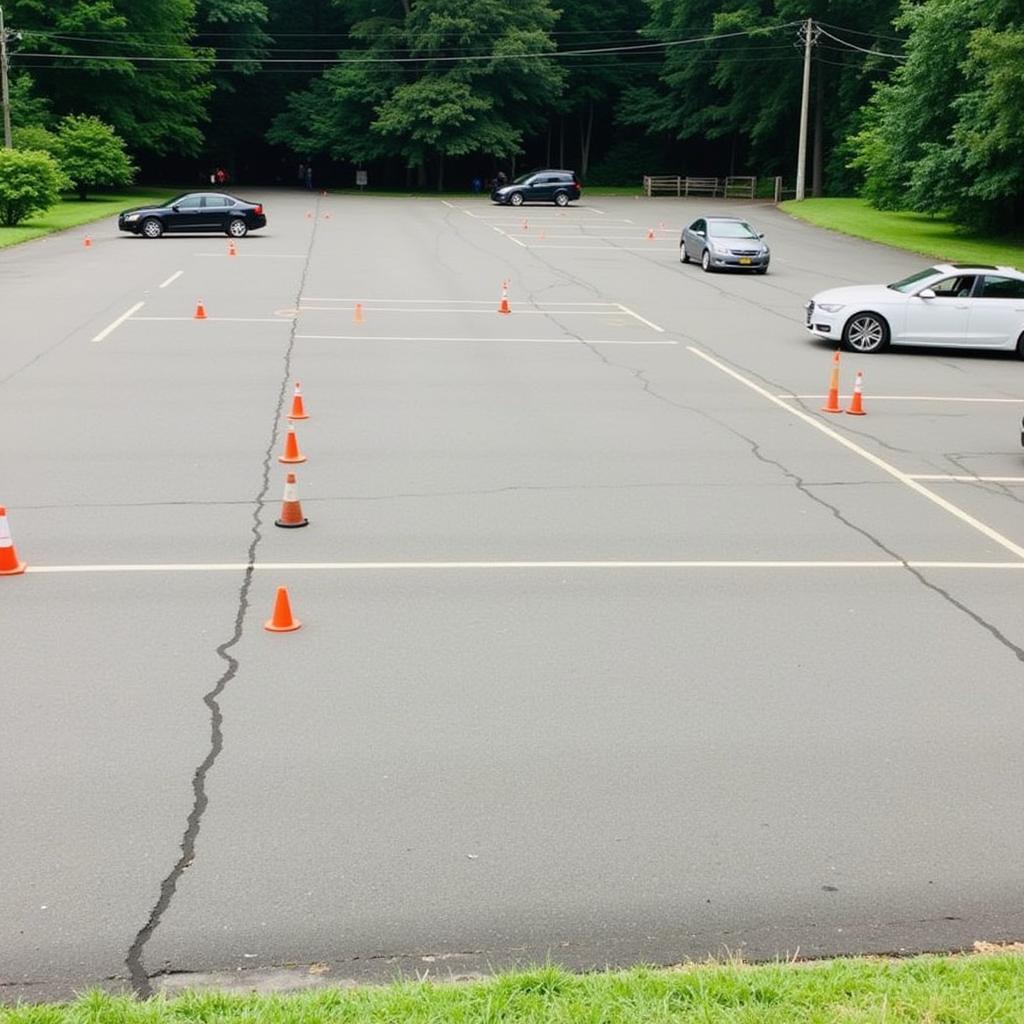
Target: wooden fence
673	184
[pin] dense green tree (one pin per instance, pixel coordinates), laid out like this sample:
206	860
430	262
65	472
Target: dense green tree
433	103
91	154
946	134
34	137
30	182
128	63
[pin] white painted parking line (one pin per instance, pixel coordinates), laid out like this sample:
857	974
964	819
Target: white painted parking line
260	255
886	467
488	341
459	302
110	328
174	277
519	311
451	206
163	567
948	478
642	319
650	247
916	398
209	319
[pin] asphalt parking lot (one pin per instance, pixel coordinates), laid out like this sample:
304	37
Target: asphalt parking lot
614	647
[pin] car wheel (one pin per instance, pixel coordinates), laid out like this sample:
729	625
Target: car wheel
237	228
684	256
705	261
152	228
516	199
1020	347
761	270
561	199
865	332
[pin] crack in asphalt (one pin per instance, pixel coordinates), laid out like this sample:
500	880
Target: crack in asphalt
138	977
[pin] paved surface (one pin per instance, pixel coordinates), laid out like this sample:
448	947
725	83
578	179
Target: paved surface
615	649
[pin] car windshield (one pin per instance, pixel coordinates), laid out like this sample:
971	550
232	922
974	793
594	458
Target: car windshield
731	229
908	282
524	178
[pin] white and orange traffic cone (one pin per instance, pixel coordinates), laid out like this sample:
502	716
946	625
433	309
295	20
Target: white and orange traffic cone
282	621
200	313
232	251
9	564
87	242
357	314
291	451
291	508
832	403
856	406
650	234
298	406
503	306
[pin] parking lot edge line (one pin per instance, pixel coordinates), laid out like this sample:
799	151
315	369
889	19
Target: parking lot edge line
110	328
950	478
912	398
166	567
887	467
487	341
653	326
174	277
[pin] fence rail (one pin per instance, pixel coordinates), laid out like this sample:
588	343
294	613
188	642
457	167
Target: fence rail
732	187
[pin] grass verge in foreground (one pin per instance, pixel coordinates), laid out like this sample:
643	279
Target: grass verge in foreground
70	213
951	989
936	237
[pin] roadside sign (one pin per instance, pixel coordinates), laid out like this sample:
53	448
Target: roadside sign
361	179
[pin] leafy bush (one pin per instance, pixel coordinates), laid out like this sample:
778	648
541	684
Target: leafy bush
34	137
92	154
30	182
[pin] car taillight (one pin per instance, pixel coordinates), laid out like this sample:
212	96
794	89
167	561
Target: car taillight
259	210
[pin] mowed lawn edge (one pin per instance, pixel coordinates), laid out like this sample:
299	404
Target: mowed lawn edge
74	213
957	989
935	237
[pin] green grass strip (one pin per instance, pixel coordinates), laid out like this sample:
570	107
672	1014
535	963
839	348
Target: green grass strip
986	989
936	237
72	213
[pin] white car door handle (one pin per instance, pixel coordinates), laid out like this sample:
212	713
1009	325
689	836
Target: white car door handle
961	305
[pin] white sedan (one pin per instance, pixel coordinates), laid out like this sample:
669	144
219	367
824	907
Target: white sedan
958	305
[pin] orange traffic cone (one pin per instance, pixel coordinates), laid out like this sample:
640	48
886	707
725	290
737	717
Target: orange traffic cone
9	564
327	216
526	224
309	215
832	405
856	407
650	234
200	313
282	621
298	408
503	306
232	251
357	315
87	242
291	508
291	448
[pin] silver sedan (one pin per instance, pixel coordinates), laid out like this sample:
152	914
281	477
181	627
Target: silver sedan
718	243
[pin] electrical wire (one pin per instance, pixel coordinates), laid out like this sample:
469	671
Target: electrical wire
853	46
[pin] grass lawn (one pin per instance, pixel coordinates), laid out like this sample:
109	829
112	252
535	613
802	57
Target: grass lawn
70	213
930	236
953	990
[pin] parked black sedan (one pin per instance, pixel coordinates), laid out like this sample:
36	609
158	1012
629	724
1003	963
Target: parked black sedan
192	212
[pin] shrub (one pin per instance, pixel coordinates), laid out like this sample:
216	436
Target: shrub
92	154
34	137
30	182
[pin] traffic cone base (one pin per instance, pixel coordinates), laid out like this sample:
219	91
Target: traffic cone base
9	563
282	620
291	509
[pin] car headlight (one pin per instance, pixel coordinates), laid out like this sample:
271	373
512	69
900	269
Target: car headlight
132	216
830	307
719	249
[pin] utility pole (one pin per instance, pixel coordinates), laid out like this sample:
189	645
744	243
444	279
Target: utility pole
805	102
5	96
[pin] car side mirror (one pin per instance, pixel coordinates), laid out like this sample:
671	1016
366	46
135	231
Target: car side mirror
699	234
175	209
760	234
926	293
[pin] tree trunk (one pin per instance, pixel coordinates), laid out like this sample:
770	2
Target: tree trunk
819	117
586	134
421	175
561	140
547	152
732	155
440	172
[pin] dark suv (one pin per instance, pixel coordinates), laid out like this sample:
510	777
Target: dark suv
558	187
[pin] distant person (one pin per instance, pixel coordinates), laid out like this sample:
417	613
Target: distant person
309	177
301	176
220	176
477	185
501	180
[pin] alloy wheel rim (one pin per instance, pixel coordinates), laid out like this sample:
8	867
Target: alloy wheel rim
865	333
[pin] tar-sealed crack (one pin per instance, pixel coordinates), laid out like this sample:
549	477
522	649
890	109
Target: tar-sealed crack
137	974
